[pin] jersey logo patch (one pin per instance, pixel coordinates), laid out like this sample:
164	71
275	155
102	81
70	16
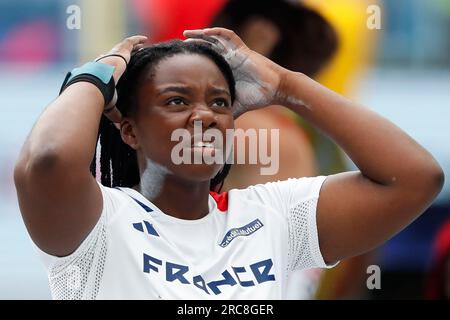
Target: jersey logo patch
246	230
148	226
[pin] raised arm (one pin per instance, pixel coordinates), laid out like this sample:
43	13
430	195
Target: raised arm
59	199
397	178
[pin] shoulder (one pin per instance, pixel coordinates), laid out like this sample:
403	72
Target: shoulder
293	189
280	197
113	199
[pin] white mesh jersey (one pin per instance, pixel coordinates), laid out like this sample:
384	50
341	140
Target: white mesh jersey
244	248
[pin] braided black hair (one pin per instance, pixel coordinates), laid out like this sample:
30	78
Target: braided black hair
118	161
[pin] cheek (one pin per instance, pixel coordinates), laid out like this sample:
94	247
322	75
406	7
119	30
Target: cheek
160	122
226	120
227	128
155	134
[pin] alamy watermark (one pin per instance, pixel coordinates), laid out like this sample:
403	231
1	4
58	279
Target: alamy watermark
374	19
374	280
73	21
213	147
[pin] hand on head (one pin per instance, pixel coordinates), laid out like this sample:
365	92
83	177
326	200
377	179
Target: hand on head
119	56
257	78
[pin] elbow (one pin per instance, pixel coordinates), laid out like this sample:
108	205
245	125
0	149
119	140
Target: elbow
439	179
436	176
35	166
432	181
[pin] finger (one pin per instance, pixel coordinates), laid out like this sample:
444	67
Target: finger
138	47
190	33
218	44
226	34
134	40
221	32
199	40
226	37
203	38
130	42
197	34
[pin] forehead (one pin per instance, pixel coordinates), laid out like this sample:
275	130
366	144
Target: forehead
189	69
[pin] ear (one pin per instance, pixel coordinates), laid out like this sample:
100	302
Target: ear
128	134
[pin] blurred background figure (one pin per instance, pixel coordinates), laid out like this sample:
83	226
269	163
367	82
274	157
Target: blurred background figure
438	282
401	70
29	37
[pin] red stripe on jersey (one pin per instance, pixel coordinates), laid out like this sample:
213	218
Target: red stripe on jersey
221	200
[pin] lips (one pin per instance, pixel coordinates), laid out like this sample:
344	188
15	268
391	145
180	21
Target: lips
204	148
202	144
198	142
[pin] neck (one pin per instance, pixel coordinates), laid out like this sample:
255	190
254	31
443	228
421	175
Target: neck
174	196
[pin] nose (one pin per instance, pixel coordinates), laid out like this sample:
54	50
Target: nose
205	115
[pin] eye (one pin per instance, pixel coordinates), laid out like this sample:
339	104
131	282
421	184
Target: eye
221	103
176	101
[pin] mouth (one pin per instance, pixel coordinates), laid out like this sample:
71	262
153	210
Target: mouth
205	148
203	144
198	141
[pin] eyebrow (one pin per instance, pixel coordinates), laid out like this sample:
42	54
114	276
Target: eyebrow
186	90
182	90
219	91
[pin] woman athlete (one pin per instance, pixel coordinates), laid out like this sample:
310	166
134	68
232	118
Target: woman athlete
154	229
